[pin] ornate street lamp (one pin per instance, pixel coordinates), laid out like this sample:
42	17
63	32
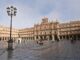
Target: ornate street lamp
11	12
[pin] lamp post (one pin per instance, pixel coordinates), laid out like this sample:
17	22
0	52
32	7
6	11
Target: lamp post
11	12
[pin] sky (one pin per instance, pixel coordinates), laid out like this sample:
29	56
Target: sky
30	12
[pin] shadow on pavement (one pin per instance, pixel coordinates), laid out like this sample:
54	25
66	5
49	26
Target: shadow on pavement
10	54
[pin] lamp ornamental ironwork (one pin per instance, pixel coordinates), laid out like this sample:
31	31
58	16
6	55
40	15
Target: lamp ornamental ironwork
11	11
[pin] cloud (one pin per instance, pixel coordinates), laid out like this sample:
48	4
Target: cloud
70	9
31	11
26	16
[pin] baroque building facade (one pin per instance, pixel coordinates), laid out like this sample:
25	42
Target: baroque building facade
5	33
52	31
26	34
69	30
44	31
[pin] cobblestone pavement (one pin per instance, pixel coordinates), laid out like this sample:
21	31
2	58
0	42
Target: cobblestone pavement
29	50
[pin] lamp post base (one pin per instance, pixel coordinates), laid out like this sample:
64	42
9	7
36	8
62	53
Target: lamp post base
10	44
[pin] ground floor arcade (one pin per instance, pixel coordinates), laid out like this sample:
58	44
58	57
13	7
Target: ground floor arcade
7	38
69	37
46	37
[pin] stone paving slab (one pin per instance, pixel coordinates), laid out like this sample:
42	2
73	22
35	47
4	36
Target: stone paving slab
62	50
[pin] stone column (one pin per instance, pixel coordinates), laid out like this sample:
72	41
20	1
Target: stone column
59	37
53	38
47	38
35	38
42	37
38	37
